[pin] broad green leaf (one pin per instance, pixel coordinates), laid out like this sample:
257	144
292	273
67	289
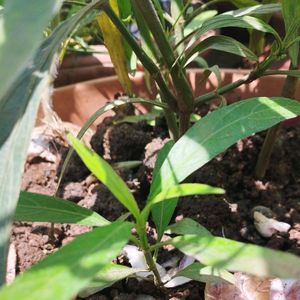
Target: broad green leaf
188	226
17	118
219	130
20	36
215	133
160	210
185	189
106	174
63	274
207	274
231	255
108	276
291	13
42	208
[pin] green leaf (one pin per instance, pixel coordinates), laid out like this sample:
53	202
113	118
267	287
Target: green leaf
292	73
20	36
185	189
260	9
188	226
244	3
291	13
215	133
180	190
63	274
17	118
42	208
198	20
221	43
106	174
94	117
146	39
231	255
161	210
108	276
207	274
227	20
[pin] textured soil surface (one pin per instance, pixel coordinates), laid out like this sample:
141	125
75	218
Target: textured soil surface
227	215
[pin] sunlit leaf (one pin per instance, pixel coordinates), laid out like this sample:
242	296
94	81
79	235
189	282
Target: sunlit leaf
108	276
215	133
231	255
64	273
42	208
106	174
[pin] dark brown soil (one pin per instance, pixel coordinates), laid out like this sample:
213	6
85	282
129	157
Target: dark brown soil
228	216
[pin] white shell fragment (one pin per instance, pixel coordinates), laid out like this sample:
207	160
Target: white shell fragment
137	260
267	226
180	280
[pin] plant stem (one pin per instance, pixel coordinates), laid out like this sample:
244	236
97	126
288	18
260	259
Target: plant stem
154	71
288	91
185	98
141	230
255	74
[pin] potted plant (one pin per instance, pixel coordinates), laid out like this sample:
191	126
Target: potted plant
90	255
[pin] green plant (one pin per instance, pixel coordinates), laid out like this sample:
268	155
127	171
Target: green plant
23	84
90	255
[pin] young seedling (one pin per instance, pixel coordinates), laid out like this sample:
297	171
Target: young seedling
88	258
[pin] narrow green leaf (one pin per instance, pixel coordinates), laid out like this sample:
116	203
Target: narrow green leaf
188	226
161	156
20	36
198	20
227	20
131	164
106	174
108	276
231	255
221	43
260	9
215	133
63	274
185	189
244	3
42	208
220	129
293	73
160	212
95	116
207	274
17	117
180	190
146	39
291	13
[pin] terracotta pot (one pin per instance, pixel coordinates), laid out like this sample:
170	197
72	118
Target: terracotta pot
80	67
77	102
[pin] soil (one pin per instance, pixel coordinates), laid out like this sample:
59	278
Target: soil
227	215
